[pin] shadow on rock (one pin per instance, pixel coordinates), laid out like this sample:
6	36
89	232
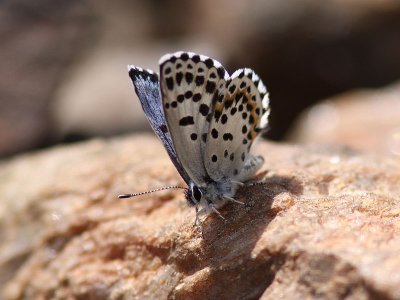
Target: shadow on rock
227	246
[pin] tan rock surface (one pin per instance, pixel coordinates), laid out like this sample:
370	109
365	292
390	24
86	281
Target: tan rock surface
326	225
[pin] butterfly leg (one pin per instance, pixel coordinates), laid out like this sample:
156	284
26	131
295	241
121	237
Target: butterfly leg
217	212
238	183
234	200
197	219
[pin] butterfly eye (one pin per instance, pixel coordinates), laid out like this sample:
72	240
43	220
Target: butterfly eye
196	193
193	195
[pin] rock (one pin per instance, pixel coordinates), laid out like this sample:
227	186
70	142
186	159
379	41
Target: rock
63	69
324	224
355	44
39	40
367	120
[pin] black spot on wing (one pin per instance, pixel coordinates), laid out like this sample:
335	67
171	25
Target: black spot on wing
227	137
179	77
188	94
189	77
204	109
164	128
224	118
214	133
199	80
221	72
209	63
228	103
214	99
184	56
185	121
217	115
251	119
210	87
180	98
196	58
170	83
196	97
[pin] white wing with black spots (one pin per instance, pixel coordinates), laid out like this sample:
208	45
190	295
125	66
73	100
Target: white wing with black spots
238	118
207	121
189	87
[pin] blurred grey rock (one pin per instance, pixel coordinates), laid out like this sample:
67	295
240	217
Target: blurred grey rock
38	41
367	120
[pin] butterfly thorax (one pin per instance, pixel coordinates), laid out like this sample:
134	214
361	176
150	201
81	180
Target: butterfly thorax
213	194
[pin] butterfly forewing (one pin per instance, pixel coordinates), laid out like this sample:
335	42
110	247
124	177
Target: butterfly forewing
189	87
147	88
238	118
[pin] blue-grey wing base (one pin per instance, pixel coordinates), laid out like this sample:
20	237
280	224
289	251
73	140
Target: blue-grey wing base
147	88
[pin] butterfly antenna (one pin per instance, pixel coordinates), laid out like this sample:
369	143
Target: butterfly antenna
256	183
151	191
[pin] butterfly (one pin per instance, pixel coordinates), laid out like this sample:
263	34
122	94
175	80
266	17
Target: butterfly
207	122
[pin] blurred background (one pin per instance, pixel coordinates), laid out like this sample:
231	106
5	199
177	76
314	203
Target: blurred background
332	67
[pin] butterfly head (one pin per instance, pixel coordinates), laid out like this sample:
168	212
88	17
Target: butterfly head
193	195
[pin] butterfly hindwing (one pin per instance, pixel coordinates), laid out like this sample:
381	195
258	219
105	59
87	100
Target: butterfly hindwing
238	117
189	87
147	88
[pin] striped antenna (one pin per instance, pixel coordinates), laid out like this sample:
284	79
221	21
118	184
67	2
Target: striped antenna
152	191
256	183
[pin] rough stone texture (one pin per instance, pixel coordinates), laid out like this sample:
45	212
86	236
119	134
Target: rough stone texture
325	224
367	120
